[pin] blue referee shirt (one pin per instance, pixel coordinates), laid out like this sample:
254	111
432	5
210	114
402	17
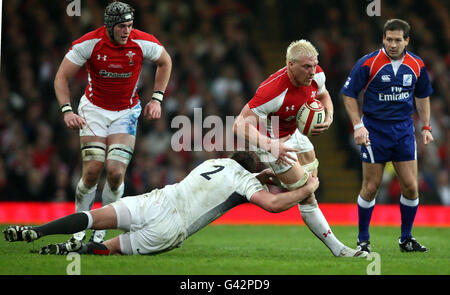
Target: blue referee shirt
389	85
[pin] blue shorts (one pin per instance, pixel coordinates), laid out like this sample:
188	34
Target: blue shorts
389	141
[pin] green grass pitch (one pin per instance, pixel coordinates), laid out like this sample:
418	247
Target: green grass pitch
244	250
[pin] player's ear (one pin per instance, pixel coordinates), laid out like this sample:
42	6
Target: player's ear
407	41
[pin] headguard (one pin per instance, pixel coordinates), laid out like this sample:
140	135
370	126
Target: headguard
115	13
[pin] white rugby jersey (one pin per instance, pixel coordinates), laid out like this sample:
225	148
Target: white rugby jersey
210	190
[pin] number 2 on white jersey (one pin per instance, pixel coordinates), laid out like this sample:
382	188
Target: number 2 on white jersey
206	174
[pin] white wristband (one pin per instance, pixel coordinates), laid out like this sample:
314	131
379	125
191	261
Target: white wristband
357	126
158	96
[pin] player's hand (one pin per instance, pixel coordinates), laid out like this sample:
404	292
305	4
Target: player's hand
73	121
361	136
427	136
321	128
312	183
152	110
280	151
264	175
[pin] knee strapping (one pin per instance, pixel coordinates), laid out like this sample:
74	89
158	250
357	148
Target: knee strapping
301	182
120	152
93	151
310	167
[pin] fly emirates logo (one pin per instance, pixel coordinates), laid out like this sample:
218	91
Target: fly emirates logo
106	74
396	95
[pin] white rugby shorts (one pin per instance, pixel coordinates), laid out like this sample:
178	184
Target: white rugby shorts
151	223
297	141
101	122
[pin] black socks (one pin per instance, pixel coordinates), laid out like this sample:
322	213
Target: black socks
69	224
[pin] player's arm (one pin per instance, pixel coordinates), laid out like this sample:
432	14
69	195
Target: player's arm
245	126
65	73
423	110
280	202
163	70
361	135
325	99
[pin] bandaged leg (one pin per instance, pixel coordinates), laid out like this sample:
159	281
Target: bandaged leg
310	167
120	152
301	182
93	151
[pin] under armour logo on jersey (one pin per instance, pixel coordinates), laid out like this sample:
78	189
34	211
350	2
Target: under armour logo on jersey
99	56
313	94
292	108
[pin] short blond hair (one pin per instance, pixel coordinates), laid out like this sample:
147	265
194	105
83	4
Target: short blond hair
300	48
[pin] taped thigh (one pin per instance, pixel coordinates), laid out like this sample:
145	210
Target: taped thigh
120	152
123	215
93	151
310	167
301	182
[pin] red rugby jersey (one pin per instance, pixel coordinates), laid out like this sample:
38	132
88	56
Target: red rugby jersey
276	96
113	69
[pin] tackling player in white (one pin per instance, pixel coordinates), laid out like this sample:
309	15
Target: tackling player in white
163	218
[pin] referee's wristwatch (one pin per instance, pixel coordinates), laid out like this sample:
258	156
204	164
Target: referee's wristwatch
427	128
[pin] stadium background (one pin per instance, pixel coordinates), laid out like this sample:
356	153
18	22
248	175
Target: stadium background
221	51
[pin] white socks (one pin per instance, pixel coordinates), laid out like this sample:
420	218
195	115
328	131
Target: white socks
84	197
109	196
314	219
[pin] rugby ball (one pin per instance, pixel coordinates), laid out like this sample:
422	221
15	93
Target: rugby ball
310	113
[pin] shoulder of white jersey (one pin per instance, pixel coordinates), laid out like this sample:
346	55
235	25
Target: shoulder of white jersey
150	46
320	79
247	183
81	49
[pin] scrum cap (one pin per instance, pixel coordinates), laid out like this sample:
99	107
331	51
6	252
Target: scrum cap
116	13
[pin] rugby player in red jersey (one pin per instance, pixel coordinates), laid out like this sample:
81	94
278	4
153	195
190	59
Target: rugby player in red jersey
108	111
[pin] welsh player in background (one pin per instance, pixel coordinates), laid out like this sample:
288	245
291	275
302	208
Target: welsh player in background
393	80
108	111
281	146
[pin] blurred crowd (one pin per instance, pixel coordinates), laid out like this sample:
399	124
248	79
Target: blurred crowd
216	67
